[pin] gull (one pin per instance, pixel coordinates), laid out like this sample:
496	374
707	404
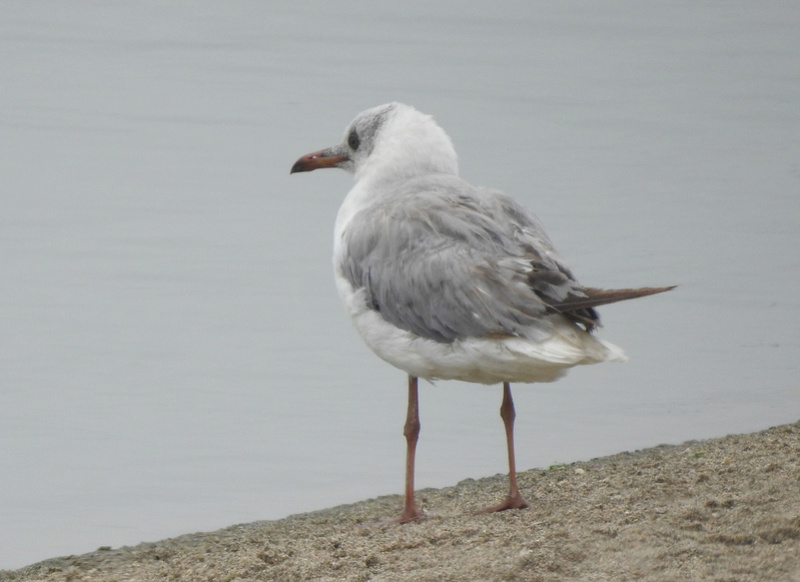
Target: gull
449	281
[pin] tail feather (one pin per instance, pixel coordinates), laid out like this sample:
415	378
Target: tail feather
595	297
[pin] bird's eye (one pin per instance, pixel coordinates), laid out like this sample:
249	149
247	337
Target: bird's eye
353	141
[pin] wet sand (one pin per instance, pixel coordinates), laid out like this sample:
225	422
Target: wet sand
723	510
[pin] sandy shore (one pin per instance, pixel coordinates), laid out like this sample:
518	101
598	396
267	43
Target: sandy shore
723	510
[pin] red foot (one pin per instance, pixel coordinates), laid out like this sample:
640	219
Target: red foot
510	502
406	516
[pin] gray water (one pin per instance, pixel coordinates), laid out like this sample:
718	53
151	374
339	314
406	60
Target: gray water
173	355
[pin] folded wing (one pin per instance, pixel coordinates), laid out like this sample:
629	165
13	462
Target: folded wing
447	260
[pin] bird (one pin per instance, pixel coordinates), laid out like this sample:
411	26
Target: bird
450	281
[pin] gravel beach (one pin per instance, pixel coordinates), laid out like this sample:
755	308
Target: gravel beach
723	510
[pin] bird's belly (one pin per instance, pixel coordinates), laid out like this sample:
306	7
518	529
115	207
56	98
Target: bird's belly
480	360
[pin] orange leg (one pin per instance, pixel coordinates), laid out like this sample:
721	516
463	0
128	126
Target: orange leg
411	431
514	500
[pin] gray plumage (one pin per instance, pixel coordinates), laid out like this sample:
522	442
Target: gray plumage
447	260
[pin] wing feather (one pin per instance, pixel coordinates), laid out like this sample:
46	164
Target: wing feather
448	261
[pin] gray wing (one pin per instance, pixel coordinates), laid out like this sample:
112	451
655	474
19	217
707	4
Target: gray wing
446	260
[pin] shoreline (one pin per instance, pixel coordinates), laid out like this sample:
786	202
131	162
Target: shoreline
723	509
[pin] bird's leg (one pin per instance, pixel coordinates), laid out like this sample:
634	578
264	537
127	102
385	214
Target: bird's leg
514	500
411	431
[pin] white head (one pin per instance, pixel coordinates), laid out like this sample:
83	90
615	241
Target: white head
388	142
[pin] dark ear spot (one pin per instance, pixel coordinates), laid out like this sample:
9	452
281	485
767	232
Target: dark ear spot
353	141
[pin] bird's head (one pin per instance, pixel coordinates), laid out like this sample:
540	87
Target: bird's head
388	141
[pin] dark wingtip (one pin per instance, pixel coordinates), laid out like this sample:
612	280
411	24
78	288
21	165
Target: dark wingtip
596	297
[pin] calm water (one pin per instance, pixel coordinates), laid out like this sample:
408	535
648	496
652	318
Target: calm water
173	355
